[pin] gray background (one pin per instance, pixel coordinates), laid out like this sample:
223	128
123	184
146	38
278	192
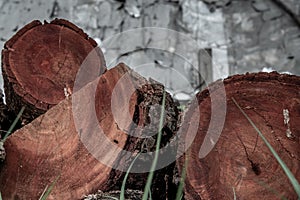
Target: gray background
240	36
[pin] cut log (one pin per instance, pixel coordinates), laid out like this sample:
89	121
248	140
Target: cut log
81	143
240	165
40	62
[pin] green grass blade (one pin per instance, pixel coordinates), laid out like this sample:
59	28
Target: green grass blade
13	124
47	191
179	193
122	194
114	198
286	170
150	195
0	196
273	191
234	195
154	163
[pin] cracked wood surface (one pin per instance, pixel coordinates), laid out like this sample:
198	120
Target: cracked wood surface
240	161
52	145
41	61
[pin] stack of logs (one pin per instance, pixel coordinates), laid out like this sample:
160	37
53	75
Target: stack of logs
40	67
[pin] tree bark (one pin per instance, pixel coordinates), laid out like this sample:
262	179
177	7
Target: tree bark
240	165
66	142
40	63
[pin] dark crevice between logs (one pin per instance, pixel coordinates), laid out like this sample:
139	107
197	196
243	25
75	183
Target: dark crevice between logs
149	95
6	118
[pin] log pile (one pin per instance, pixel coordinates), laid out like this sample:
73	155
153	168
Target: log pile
84	135
51	146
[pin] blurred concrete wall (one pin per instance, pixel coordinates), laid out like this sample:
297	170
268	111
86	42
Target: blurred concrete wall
263	34
239	36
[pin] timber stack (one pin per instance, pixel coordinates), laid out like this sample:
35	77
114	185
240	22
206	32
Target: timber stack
84	126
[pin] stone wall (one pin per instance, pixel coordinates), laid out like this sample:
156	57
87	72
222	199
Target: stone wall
262	34
239	35
197	27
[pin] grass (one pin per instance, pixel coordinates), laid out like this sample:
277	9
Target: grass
114	198
147	189
122	194
179	193
48	190
271	190
11	128
287	171
234	195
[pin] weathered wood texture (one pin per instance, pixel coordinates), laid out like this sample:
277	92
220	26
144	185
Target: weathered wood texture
40	62
240	161
51	146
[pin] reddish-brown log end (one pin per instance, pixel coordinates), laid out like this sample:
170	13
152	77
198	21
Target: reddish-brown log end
81	142
240	164
40	63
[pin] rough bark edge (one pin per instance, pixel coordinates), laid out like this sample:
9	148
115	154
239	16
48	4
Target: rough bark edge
160	187
260	76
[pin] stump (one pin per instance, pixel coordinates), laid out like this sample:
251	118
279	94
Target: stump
57	145
40	62
240	164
